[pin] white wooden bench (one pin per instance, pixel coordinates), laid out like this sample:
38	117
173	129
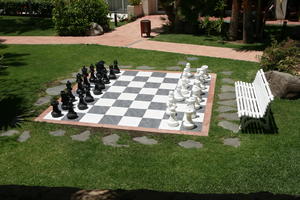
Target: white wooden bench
253	99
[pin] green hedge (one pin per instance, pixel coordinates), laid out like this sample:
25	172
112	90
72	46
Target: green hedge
41	8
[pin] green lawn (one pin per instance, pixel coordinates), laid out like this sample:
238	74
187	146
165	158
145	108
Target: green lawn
262	163
30	26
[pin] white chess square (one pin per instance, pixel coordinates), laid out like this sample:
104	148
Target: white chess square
146	74
127	96
130	121
126	78
105	102
154	114
117	111
151	91
173	75
155	80
160	98
136	84
49	116
168	86
111	82
118	89
140	104
164	125
82	111
91	118
199	118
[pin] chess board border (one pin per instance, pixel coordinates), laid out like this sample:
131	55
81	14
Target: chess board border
203	132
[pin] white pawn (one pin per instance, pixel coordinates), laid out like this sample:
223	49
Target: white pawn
171	103
204	69
190	103
172	119
187	69
188	122
185	87
178	95
196	93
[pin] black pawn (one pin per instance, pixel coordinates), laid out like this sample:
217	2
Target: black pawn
80	88
69	85
97	89
86	83
84	71
82	105
71	113
56	112
64	100
100	83
92	72
116	67
105	78
112	74
69	91
88	97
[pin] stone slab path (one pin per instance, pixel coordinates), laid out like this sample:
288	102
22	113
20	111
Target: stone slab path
10	133
145	140
24	136
58	133
111	140
234	142
82	137
189	144
129	36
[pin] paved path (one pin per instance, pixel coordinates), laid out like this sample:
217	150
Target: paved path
129	36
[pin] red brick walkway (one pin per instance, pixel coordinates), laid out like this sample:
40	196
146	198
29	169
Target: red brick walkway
129	36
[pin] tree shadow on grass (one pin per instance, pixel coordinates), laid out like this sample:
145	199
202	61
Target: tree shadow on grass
20	25
18	192
14	59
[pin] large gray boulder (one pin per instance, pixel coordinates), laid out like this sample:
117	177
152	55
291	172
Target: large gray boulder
283	85
95	29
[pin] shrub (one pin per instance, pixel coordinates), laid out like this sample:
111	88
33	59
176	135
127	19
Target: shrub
41	8
211	26
74	17
284	56
134	2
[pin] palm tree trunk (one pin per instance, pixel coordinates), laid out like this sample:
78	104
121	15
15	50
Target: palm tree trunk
247	22
234	20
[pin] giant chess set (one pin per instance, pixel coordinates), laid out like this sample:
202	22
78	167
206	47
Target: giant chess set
152	101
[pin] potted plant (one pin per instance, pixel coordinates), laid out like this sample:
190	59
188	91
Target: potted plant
134	9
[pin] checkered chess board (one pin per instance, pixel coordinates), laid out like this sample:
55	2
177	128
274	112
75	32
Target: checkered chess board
137	100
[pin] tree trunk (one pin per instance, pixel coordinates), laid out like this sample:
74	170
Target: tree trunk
234	20
247	22
259	20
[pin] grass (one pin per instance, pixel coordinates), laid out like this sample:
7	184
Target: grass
218	41
262	163
31	26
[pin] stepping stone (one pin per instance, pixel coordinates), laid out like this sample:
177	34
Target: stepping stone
72	80
228	103
74	74
234	142
229	126
190	144
227	88
24	136
9	133
182	63
55	90
42	100
174	68
223	109
145	67
111	140
227	80
145	140
124	67
192	58
57	133
227	95
228	73
229	116
82	137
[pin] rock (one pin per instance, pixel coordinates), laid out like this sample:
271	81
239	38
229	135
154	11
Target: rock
190	144
229	116
72	80
74	74
192	58
82	137
229	126
228	103
227	95
42	100
57	133
227	73
175	68
283	85
24	136
111	140
234	142
95	29
182	63
9	133
227	80
227	88
145	67
223	109
55	90
145	140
